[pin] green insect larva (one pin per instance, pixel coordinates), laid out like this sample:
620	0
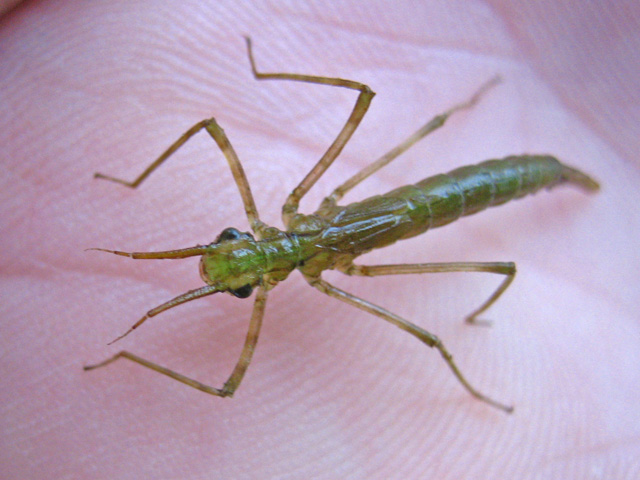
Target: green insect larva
332	237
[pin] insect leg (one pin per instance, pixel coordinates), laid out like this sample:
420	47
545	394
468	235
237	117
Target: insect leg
217	133
433	124
159	161
238	372
503	268
428	338
290	207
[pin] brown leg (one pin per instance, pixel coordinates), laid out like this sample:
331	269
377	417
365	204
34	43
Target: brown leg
217	133
433	124
290	207
234	380
503	268
424	336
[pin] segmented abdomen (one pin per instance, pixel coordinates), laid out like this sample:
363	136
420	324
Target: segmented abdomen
439	200
442	199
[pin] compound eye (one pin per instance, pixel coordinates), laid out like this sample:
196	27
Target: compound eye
242	292
228	234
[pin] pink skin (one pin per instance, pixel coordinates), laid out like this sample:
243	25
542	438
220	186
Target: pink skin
332	392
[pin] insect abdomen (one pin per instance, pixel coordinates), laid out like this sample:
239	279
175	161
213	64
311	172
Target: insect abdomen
442	199
439	200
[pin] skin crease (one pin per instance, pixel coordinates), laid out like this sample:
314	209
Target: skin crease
332	392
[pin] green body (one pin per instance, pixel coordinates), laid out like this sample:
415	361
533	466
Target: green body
335	235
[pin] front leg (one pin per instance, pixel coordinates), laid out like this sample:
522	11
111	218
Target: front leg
290	207
217	133
240	369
